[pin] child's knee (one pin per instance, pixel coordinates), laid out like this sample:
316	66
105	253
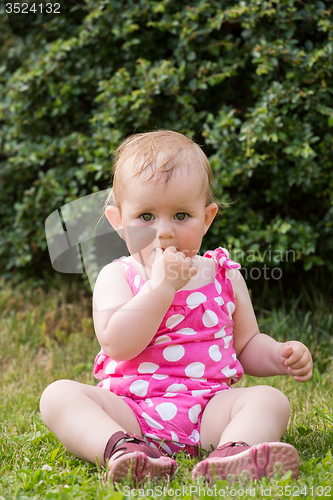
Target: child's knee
51	398
277	401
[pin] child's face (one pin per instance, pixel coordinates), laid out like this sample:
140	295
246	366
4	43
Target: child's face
176	211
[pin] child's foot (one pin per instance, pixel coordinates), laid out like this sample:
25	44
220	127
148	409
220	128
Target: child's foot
128	453
240	462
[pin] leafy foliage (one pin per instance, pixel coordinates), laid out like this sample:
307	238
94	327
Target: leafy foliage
250	81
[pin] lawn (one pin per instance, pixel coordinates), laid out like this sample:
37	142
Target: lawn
45	336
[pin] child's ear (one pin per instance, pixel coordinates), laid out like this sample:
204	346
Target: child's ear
210	213
112	214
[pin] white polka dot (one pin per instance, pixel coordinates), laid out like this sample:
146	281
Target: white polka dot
195	299
218	287
187	331
194	436
149	402
137	280
139	387
174	436
219	301
147	367
228	372
111	367
214	353
165	447
150	421
129	376
220	333
101	358
193	413
174	320
209	318
234	356
227	340
106	383
152	436
231	307
169	394
177	388
200	392
195	370
162	339
173	352
159	376
166	411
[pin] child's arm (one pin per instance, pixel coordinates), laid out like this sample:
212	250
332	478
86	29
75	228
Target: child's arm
125	324
259	354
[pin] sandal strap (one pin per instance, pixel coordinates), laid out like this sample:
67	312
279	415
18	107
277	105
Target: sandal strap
131	443
114	439
228	449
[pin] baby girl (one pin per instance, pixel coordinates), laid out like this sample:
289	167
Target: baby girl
176	330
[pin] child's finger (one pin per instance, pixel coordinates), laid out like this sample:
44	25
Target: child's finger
286	350
303	375
303	378
292	359
298	362
295	353
158	252
193	270
300	368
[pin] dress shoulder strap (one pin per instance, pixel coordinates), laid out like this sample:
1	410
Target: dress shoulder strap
223	264
132	275
221	257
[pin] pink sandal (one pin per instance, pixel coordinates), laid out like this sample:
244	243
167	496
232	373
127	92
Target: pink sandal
137	457
241	462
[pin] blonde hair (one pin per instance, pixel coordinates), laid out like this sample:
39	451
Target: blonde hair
157	155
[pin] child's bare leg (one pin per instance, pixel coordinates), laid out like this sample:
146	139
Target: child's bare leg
244	426
250	414
91	422
84	417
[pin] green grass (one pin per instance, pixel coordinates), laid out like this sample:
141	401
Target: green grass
47	336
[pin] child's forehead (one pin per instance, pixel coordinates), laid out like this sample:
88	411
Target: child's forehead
179	190
152	159
163	166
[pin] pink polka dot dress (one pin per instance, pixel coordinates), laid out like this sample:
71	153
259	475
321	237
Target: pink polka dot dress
189	360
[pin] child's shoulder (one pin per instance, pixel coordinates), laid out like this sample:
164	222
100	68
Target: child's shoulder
112	273
114	267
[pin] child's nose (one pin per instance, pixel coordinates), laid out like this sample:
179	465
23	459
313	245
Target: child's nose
164	229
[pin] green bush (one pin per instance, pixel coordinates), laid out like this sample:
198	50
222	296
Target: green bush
249	81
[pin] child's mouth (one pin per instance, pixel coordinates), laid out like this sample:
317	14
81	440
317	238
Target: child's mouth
163	249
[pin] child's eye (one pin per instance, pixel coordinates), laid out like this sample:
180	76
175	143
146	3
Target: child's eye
181	216
146	217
